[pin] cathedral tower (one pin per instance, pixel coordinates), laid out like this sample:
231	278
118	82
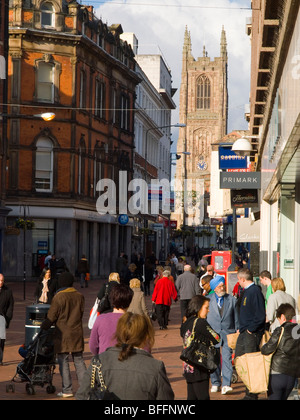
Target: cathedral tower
203	109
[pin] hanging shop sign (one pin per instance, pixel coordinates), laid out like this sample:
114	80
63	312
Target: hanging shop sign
244	198
240	180
230	160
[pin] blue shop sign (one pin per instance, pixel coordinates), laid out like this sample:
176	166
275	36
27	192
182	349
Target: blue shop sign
230	160
123	219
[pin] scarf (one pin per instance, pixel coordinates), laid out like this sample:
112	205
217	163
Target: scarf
44	295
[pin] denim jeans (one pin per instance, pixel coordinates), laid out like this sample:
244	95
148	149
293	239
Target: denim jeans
64	369
225	368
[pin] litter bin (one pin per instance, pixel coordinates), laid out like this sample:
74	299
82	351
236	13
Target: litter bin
35	315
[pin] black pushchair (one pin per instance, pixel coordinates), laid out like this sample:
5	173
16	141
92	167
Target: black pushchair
38	366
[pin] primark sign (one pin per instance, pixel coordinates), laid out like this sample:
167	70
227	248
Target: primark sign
240	180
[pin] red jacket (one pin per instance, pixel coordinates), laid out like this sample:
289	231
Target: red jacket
164	292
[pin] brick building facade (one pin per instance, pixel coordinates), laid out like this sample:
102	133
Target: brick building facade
63	59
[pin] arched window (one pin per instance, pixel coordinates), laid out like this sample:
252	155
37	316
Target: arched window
47	15
203	93
44	165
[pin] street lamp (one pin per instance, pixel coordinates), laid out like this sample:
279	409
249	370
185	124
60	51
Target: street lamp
242	147
46	116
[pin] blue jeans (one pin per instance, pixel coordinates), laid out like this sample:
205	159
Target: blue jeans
64	369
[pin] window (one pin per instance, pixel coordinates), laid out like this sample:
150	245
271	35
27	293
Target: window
45	82
203	93
44	165
47	15
100	99
124	112
82	99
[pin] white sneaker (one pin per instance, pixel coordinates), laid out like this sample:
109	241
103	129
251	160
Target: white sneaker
215	388
226	390
63	395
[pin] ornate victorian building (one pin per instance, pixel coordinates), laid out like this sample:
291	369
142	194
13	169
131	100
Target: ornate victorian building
65	60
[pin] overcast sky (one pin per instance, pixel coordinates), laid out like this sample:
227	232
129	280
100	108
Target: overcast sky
160	25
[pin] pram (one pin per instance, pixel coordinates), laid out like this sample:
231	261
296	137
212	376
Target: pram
38	366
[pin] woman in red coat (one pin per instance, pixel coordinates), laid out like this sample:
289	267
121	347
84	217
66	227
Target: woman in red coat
162	296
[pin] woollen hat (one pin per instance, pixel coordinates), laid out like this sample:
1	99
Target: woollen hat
65	279
216	281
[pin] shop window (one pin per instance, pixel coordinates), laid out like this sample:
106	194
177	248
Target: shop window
44	165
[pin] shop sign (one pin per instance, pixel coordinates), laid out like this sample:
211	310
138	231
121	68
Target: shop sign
230	160
234	180
244	198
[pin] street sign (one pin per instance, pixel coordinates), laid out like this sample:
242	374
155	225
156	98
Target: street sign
240	180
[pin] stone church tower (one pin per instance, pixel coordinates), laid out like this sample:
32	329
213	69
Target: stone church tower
203	109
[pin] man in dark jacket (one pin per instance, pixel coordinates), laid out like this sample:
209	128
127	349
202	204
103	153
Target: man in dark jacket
6	313
83	269
252	318
66	313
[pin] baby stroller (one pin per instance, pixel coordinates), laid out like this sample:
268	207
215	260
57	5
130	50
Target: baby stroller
38	366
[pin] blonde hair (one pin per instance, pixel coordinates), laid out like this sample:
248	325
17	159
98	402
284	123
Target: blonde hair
278	284
166	273
159	268
133	330
134	283
114	277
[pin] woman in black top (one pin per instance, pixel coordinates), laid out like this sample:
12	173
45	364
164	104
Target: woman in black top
197	378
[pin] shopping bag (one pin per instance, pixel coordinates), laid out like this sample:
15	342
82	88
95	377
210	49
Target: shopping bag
254	370
232	339
93	314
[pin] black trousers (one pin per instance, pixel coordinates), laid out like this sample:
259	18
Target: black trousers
280	386
198	390
162	312
2	343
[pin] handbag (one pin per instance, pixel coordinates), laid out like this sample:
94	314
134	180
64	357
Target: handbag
232	339
200	353
153	315
104	303
98	389
254	369
93	314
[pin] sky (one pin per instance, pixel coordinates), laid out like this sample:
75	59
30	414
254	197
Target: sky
159	26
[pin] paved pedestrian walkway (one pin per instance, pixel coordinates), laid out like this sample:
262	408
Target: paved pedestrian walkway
168	345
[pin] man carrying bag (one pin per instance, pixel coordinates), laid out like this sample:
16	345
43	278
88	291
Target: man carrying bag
251	320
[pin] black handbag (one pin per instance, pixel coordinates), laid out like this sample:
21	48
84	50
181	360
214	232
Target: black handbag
104	303
200	353
98	389
153	315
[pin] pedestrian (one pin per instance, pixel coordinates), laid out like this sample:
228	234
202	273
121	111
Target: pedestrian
265	278
197	378
104	328
129	371
179	266
206	288
187	286
159	272
168	269
210	271
223	318
138	304
46	287
278	297
252	319
83	269
164	292
285	344
148	276
105	290
6	313
66	312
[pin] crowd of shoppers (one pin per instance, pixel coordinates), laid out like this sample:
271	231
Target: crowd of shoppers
123	335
